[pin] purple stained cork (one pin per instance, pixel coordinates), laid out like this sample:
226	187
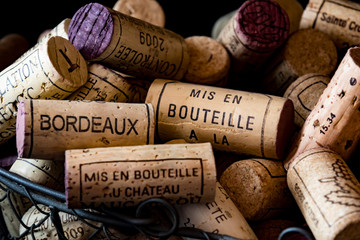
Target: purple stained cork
20	129
262	25
91	29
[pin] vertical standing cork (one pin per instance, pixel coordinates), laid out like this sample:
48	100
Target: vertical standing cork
60	30
231	120
256	30
305	92
219	216
104	84
127	44
327	193
338	18
12	46
306	51
80	124
147	10
52	69
334	121
126	176
258	188
209	61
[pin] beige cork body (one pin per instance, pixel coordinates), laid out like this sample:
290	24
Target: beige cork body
231	120
80	124
334	121
258	188
327	194
147	10
126	176
143	50
52	69
305	92
104	84
339	19
220	216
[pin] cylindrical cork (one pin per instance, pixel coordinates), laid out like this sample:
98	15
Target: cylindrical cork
127	44
209	61
147	10
12	46
48	173
104	84
305	92
237	121
126	176
60	30
258	188
80	124
306	51
219	216
52	69
257	29
338	18
333	122
327	193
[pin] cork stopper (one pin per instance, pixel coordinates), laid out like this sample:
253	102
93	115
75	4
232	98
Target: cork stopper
69	64
91	29
209	60
262	25
146	10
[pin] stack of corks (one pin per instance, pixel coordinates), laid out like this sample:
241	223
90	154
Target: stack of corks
127	110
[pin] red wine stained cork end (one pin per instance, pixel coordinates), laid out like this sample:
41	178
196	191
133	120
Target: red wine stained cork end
20	129
285	128
91	29
262	25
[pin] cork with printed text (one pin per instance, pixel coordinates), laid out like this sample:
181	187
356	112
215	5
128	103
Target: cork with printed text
126	176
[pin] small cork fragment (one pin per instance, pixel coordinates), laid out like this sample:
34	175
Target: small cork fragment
220	216
233	121
339	19
126	176
258	188
80	124
333	122
305	92
147	10
306	51
209	61
327	193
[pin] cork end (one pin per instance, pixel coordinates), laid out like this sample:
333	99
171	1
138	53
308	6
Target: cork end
355	55
285	128
21	129
91	29
262	25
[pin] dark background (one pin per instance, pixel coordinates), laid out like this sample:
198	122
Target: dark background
187	18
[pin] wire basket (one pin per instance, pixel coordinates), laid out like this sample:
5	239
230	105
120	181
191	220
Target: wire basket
155	218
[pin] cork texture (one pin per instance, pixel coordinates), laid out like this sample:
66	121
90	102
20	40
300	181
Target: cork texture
80	124
126	176
327	194
226	118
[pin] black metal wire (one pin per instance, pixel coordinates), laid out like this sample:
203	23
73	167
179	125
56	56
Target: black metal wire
295	230
137	222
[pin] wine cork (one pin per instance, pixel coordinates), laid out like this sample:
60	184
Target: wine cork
126	176
60	30
80	124
50	70
305	92
306	51
209	61
127	44
333	121
258	188
12	46
327	194
256	30
339	19
236	121
147	10
219	216
103	84
48	173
